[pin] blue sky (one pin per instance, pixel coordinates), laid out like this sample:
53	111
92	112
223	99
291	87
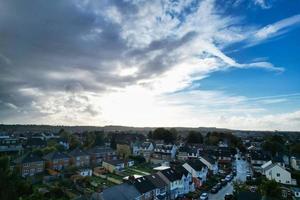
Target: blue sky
229	63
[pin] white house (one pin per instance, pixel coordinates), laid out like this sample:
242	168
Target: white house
174	181
198	171
85	172
295	163
210	163
279	174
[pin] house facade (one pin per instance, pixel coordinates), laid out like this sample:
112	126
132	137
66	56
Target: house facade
279	174
79	158
198	171
57	160
30	165
113	165
210	163
100	153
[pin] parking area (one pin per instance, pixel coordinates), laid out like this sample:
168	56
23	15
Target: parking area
241	167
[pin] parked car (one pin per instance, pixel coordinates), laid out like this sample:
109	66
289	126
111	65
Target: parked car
228	178
204	196
234	172
223	182
229	197
214	190
219	186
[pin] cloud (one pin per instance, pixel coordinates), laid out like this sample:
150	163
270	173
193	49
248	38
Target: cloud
264	4
276	29
103	62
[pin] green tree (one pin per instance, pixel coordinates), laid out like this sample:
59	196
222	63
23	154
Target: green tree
194	137
270	189
89	140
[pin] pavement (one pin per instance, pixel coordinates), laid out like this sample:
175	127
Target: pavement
241	168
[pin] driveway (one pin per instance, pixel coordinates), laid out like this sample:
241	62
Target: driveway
241	168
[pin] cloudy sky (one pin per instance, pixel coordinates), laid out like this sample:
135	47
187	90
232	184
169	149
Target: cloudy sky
212	63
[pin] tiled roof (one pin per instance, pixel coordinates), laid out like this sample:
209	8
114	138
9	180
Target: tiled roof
171	175
28	158
156	180
143	185
56	155
123	191
77	152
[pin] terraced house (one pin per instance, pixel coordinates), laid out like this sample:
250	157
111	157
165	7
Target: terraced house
79	158
57	160
30	165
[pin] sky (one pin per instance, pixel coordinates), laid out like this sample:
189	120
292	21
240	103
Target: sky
191	63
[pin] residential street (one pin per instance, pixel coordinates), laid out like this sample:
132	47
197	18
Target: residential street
242	167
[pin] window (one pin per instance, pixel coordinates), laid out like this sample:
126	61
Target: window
278	175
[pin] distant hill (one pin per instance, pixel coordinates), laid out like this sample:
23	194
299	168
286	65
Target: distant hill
18	128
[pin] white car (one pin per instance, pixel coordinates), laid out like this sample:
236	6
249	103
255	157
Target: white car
204	196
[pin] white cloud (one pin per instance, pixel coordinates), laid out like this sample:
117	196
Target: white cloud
161	51
276	29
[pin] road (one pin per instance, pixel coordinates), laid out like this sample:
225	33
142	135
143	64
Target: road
241	168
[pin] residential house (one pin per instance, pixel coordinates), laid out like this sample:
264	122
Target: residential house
161	186
146	149
57	160
186	179
79	158
187	152
198	171
224	156
124	191
274	171
295	162
163	153
145	187
113	165
173	180
257	159
10	145
85	172
100	153
30	164
35	142
210	163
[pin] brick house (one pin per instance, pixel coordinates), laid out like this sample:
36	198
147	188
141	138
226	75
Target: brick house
30	164
79	158
57	160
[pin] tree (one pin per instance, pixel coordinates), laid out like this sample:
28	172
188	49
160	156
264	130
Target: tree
11	185
194	137
73	141
270	189
89	140
99	140
166	135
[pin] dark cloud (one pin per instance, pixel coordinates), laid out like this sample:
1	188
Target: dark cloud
69	46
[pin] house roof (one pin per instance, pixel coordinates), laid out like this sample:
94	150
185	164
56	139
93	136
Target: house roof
35	142
267	164
180	170
156	180
143	185
114	162
28	158
122	191
77	152
208	158
196	164
145	145
100	149
171	175
56	155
